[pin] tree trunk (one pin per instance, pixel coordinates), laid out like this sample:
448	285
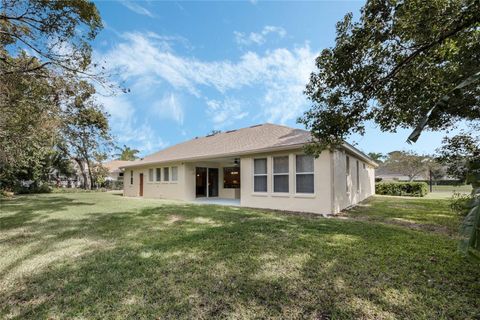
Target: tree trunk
84	174
89	173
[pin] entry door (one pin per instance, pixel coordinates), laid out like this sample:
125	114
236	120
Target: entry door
141	184
201	182
212	182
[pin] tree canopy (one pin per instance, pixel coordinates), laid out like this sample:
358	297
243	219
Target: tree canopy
393	65
54	33
49	114
407	163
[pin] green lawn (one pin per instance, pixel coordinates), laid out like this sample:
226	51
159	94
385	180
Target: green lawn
440	192
99	255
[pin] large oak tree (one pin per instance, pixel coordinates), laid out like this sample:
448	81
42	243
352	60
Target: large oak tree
393	65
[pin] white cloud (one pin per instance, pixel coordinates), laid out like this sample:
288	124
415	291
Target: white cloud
258	38
224	113
118	107
278	76
126	128
135	7
169	107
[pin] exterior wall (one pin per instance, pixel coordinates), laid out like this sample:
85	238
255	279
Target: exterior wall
344	197
183	189
318	202
330	183
162	189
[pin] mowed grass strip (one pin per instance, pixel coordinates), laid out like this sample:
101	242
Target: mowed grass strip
99	255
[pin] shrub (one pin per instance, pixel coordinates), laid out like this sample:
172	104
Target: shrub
412	189
460	203
444	182
33	188
378	179
77	190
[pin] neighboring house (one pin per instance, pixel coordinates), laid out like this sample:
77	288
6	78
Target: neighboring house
114	171
74	180
261	166
385	173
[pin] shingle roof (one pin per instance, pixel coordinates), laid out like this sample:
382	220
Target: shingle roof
115	165
254	139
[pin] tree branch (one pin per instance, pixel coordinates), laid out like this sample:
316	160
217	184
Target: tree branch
426	47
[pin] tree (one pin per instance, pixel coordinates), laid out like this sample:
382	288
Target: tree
393	65
127	154
377	156
407	163
85	128
99	172
458	152
47	111
28	124
56	33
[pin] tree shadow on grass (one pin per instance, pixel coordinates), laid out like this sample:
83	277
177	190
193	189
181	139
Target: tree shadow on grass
17	212
216	262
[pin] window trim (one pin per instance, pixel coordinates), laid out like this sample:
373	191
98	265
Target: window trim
304	194
280	193
259	175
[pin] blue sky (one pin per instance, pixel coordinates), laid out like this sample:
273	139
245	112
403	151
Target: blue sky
197	66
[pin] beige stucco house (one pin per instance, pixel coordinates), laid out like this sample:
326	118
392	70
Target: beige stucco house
261	166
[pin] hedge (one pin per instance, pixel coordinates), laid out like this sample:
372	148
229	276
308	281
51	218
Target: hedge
444	182
411	189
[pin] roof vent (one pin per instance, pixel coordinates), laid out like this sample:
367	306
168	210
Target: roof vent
231	131
256	125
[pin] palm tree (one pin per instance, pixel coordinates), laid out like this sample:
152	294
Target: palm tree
376	156
126	153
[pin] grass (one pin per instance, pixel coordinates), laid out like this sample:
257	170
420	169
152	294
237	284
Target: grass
99	255
440	192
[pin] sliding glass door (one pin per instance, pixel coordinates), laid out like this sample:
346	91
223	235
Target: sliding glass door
206	182
212	182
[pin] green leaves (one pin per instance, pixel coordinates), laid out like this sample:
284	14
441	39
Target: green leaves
393	65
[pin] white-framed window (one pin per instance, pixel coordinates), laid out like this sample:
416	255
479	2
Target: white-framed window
358	176
166	175
131	176
174	173
280	174
150	175
158	174
347	171
260	175
304	174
